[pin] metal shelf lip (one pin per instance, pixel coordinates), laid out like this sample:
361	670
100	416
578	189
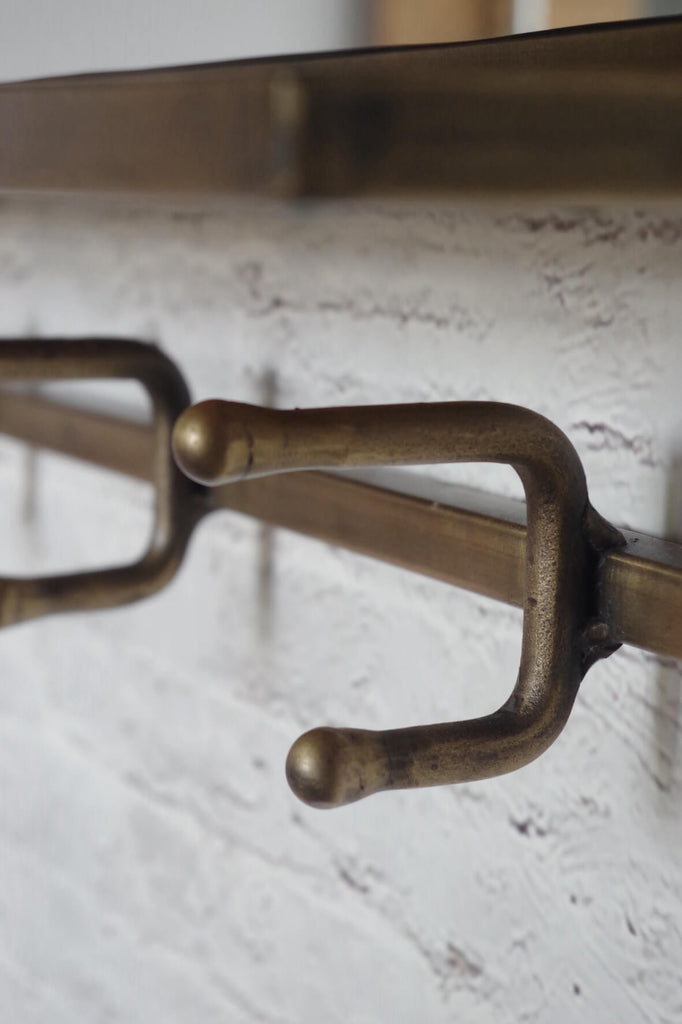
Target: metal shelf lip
478	545
596	110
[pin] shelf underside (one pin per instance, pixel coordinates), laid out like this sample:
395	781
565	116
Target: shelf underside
588	111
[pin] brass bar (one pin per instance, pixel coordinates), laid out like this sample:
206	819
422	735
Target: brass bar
479	546
464	547
597	109
109	441
642	594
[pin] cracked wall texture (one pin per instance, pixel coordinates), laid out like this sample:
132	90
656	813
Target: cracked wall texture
154	864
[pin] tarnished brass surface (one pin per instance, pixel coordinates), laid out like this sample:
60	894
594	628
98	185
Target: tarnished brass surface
597	109
592	591
216	442
28	598
457	535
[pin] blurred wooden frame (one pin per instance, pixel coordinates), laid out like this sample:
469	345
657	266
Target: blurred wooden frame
404	22
563	13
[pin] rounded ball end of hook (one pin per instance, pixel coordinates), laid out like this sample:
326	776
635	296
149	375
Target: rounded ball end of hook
210	445
329	767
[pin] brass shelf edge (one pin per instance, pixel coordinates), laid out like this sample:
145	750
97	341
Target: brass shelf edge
592	112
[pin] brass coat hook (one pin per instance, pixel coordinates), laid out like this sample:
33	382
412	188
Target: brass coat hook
174	517
217	442
584	587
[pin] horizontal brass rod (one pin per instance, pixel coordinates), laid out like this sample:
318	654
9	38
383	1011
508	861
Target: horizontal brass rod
455	535
597	109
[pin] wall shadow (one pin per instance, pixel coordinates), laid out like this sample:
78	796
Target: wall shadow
668	692
266	535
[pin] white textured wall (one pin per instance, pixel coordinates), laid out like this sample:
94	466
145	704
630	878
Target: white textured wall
154	865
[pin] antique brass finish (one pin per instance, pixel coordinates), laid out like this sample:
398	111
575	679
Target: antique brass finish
640	584
571	112
216	442
24	598
584	591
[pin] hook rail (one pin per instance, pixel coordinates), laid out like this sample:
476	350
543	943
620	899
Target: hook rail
377	517
585	587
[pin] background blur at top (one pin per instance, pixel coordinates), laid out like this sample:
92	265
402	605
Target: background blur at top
56	38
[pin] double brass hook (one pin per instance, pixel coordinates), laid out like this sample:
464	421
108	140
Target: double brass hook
217	442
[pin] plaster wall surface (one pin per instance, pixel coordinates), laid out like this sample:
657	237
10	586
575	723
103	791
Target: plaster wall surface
154	864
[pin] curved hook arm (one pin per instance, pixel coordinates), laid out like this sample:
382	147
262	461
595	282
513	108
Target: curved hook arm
174	515
215	442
